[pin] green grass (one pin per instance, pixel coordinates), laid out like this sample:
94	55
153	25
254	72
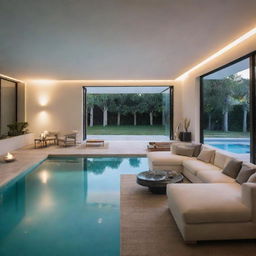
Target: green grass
126	130
221	134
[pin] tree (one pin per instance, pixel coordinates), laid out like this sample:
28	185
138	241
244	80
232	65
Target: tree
117	105
151	103
223	99
133	105
103	102
90	105
241	94
209	102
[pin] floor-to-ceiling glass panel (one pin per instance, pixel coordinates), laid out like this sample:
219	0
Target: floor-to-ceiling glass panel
166	112
226	122
8	105
128	113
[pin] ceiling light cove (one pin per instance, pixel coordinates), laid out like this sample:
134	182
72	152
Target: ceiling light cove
239	40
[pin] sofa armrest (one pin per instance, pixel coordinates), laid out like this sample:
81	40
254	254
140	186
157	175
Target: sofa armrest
249	197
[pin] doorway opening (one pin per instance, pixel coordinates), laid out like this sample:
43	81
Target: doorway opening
128	113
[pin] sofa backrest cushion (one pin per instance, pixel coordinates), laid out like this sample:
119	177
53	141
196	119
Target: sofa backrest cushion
221	159
252	178
184	150
206	155
232	168
244	174
196	147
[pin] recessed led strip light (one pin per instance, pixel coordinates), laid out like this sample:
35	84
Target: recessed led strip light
99	82
220	52
11	78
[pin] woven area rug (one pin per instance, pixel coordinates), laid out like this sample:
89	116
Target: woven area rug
147	228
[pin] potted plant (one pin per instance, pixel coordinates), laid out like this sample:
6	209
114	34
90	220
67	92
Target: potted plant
185	135
17	128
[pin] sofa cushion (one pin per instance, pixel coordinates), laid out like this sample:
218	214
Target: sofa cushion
221	159
232	168
166	158
244	174
214	176
252	178
194	166
206	155
197	149
184	150
207	203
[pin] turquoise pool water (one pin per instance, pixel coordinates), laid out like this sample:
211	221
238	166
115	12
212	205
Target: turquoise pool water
238	146
65	206
234	148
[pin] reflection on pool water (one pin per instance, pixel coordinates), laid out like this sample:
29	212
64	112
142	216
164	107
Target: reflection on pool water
65	206
234	148
238	146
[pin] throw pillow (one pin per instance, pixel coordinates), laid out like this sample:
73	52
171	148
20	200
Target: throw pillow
174	146
197	149
252	178
232	168
244	174
206	155
184	150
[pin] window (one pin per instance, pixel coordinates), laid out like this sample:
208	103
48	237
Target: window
8	104
226	103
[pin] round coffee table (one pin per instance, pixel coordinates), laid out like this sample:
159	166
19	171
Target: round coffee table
157	181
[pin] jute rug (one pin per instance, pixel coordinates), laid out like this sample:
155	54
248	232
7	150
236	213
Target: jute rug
147	228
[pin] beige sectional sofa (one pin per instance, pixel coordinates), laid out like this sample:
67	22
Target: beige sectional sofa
214	206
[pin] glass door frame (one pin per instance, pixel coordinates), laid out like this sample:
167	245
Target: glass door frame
170	87
252	108
16	97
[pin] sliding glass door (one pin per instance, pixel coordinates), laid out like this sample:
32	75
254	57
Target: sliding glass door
226	105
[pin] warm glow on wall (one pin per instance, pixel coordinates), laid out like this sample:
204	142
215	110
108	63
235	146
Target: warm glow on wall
43	100
43	81
43	119
220	52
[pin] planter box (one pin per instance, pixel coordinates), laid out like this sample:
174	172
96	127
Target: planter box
185	136
13	143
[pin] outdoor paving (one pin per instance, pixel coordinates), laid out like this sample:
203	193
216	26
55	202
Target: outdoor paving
130	137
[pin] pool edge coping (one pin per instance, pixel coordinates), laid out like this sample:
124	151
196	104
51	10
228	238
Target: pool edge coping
29	169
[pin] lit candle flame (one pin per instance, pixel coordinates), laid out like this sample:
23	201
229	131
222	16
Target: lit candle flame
9	156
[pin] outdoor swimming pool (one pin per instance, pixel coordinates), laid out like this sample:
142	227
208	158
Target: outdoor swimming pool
65	206
238	146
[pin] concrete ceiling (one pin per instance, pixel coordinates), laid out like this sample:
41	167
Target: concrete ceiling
115	39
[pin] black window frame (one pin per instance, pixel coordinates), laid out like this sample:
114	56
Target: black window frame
252	90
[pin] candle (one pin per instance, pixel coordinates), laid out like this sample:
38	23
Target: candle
9	157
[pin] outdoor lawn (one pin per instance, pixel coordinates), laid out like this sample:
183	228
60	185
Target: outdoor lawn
221	134
126	130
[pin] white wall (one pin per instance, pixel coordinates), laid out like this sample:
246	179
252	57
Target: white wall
191	85
54	107
57	105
